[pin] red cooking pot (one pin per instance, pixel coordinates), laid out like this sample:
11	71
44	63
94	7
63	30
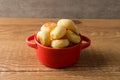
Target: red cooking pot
60	57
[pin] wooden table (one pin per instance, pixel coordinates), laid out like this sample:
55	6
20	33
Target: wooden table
101	61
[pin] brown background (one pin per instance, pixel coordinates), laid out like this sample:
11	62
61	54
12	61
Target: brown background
60	8
101	61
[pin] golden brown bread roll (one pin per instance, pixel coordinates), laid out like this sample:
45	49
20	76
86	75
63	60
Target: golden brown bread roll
63	34
44	38
48	26
68	24
61	43
58	32
73	37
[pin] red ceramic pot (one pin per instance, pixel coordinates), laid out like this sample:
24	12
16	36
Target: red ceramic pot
58	58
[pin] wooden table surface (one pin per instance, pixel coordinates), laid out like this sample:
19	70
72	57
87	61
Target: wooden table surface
101	61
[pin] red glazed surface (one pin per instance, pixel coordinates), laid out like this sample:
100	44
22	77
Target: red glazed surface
58	58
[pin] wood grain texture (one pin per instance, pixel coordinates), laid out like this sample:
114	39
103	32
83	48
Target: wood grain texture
101	61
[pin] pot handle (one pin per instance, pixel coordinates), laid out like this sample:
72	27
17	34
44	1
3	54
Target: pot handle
31	44
87	42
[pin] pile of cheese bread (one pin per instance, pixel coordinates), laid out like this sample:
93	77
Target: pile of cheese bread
62	34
